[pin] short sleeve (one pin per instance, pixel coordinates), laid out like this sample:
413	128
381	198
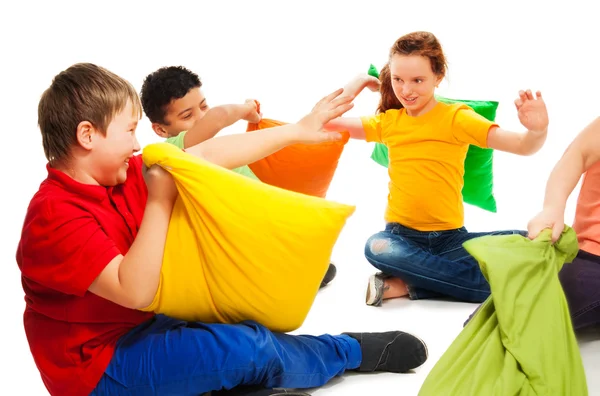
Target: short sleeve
63	247
177	141
470	127
372	126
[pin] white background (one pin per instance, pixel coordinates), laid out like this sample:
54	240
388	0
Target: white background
287	55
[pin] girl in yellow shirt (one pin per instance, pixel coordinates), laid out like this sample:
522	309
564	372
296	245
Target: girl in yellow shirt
420	252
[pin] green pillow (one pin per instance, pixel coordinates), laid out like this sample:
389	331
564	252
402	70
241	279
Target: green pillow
479	178
521	341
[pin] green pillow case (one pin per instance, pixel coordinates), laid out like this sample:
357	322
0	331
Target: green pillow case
521	341
478	178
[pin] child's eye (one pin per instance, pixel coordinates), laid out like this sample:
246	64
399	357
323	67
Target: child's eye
186	117
419	81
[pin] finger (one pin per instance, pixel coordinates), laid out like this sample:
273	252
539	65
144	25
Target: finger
538	95
518	103
522	96
331	96
339	101
529	94
338	111
532	233
557	230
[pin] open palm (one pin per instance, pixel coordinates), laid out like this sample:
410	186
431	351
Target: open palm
532	111
330	107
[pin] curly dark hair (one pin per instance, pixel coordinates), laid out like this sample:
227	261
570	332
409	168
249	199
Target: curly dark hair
163	86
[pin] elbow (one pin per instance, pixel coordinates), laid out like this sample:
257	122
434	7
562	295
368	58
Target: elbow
528	151
138	302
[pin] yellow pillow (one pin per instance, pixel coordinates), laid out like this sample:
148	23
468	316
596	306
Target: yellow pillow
238	249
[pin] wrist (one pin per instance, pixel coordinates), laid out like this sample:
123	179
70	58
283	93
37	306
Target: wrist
249	107
159	205
293	135
556	207
539	132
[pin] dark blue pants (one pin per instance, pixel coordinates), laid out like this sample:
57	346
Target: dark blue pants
432	263
170	357
581	283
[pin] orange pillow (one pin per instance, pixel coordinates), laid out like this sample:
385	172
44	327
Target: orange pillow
306	169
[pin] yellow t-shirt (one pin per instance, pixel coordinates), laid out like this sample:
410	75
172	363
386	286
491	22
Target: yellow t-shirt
427	155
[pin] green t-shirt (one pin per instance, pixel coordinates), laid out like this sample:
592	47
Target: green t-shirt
177	141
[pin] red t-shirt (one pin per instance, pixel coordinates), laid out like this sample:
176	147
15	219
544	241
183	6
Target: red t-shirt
71	232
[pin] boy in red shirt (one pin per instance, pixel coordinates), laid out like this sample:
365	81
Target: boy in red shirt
90	256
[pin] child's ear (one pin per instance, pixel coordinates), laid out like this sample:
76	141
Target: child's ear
440	78
85	134
159	130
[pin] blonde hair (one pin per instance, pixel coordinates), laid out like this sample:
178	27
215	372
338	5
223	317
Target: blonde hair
83	92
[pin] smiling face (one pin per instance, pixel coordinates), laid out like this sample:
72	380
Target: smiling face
181	114
110	153
414	82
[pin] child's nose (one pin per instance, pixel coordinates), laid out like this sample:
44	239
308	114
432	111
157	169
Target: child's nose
136	144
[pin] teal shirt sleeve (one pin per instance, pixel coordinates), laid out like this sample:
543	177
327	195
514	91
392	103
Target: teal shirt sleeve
177	141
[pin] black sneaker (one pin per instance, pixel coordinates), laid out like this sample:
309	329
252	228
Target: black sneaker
392	351
329	275
258	391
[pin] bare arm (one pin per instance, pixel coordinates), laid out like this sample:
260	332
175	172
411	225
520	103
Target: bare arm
534	116
132	280
238	150
216	119
581	154
525	144
354	125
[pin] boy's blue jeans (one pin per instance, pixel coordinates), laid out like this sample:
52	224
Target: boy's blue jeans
171	357
432	263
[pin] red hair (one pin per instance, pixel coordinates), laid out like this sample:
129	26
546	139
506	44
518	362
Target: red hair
416	43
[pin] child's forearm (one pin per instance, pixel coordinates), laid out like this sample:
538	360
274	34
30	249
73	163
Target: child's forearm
132	280
237	150
563	179
533	141
215	119
356	86
353	126
581	154
139	270
514	142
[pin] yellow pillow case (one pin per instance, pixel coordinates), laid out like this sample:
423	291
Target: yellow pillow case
238	249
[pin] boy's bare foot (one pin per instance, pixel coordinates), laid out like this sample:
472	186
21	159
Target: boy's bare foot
383	287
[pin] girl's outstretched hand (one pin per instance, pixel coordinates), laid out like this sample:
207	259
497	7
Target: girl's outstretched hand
532	111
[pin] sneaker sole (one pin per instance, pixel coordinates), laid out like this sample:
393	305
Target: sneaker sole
371	298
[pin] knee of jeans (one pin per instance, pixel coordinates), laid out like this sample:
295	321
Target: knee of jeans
378	245
383	250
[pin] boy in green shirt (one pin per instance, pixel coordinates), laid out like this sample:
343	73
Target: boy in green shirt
173	101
